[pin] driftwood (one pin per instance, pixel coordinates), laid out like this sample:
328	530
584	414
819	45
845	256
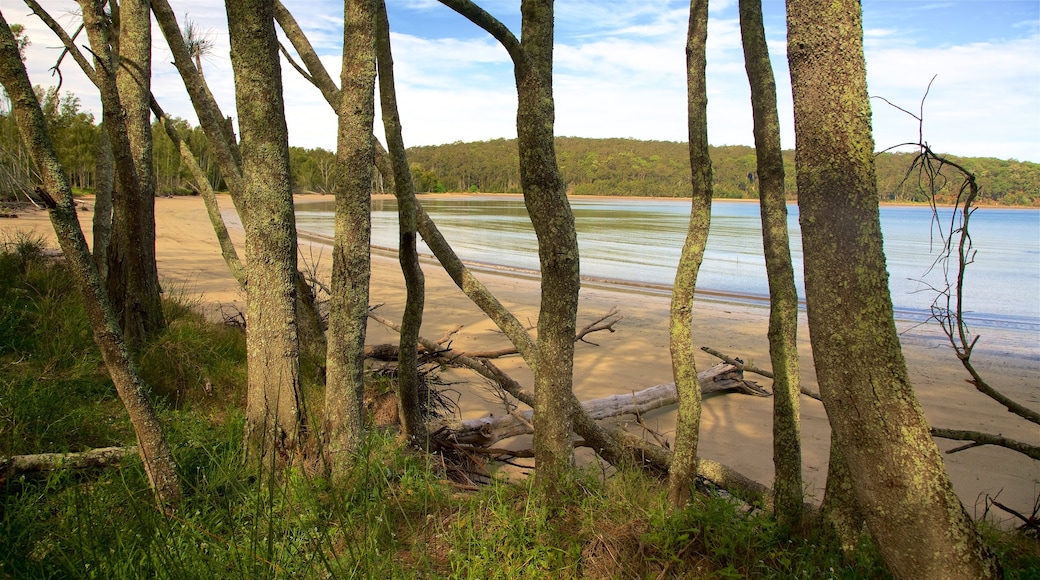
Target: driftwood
616	446
486	431
753	369
22	464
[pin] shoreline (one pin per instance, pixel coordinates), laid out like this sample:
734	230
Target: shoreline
735	429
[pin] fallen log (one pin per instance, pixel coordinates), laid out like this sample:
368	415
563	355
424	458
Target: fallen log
22	464
616	446
488	430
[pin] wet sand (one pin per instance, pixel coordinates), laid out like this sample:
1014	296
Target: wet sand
736	429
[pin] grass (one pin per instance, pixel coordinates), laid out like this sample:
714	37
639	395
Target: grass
391	516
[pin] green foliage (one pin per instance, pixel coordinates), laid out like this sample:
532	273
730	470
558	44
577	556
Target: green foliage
627	167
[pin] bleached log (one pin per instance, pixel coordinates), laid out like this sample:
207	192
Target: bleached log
490	429
103	457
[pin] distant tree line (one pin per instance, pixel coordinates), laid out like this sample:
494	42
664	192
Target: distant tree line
616	167
608	167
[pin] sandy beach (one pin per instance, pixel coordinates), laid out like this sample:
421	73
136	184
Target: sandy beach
735	430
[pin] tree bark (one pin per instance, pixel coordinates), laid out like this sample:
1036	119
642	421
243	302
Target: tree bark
896	470
408	380
155	452
274	404
351	267
104	184
680	325
783	296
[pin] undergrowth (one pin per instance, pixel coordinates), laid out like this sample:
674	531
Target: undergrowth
390	516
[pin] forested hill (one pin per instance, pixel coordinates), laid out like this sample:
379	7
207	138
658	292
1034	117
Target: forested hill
615	167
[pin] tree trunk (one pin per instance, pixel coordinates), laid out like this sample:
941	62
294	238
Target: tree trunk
123	80
351	261
680	326
155	452
545	196
105	181
783	296
408	380
897	472
274	405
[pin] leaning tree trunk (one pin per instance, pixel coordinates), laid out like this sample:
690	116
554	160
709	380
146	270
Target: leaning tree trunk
783	296
914	515
408	379
274	404
684	368
351	262
155	452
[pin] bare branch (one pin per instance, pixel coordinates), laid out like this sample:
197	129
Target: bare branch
979	439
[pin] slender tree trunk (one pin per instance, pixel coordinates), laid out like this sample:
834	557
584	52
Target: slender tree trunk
546	199
783	296
914	515
408	380
274	405
684	368
545	196
123	80
155	452
351	260
202	185
102	230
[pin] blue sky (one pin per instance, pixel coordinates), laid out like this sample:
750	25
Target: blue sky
620	72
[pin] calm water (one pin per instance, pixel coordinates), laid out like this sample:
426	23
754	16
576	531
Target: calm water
638	242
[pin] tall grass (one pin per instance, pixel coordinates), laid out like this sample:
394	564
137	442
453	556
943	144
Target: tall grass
391	516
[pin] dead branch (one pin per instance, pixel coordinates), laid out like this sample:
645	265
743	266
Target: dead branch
956	255
741	365
616	446
979	439
23	464
606	322
488	430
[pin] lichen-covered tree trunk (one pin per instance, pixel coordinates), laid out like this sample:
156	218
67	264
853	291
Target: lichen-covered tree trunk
103	185
783	296
351	260
680	325
155	452
274	404
408	379
545	196
124	81
897	472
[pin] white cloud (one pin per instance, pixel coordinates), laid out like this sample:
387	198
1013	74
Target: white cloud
620	71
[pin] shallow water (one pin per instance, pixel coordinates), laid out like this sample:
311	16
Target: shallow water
638	242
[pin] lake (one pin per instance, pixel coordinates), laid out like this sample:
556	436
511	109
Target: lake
637	242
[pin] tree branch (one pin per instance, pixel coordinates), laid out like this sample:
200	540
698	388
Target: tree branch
979	439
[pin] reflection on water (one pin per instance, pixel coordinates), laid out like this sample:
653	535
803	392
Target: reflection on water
638	242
